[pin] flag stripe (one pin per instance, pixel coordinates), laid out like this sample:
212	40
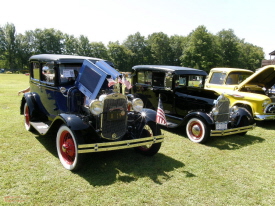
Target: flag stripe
160	117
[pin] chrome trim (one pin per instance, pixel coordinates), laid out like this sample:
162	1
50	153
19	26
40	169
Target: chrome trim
108	146
264	117
232	131
267	107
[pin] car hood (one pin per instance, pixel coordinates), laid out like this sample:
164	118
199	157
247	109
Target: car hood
263	77
92	77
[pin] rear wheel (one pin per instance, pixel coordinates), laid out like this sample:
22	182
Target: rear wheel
197	131
149	130
67	148
27	118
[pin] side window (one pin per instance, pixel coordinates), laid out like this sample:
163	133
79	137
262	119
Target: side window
158	79
35	70
140	77
48	73
168	80
180	80
195	81
145	77
217	78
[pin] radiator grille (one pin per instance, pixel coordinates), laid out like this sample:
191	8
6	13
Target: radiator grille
223	106
114	116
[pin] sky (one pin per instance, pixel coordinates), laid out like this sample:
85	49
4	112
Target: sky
114	20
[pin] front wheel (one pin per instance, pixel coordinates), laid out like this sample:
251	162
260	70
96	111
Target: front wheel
197	131
66	144
149	130
244	122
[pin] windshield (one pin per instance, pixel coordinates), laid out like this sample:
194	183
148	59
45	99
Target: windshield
237	77
69	72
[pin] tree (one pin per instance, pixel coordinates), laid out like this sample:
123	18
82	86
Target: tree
24	49
200	52
177	44
99	50
120	56
251	56
83	46
228	51
48	41
8	45
70	44
159	44
137	44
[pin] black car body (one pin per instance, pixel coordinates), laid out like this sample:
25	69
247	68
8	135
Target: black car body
205	113
71	96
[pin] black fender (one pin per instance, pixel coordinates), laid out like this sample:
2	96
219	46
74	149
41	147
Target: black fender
236	117
148	115
73	121
209	120
36	112
143	118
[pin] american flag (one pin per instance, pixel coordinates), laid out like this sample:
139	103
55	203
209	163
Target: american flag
111	82
160	118
126	83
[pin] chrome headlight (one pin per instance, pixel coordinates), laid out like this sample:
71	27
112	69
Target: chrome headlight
265	103
234	109
137	104
215	111
96	107
102	97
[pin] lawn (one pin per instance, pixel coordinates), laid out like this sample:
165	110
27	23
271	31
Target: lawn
232	170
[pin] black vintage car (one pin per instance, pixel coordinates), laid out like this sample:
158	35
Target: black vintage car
79	100
185	101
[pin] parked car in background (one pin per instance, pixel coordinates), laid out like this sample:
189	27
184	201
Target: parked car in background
78	99
226	78
249	90
204	113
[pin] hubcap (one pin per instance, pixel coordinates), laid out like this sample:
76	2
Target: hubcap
196	130
67	147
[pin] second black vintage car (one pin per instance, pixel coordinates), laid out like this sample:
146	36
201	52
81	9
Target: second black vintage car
204	113
79	100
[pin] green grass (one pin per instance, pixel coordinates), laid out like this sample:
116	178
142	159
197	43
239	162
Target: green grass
232	170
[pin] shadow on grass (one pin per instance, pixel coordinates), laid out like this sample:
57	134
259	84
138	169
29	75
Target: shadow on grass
268	124
230	142
233	142
105	168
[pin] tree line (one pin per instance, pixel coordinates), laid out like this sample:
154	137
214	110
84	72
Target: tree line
200	49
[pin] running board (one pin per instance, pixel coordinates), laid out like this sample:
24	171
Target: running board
172	125
41	127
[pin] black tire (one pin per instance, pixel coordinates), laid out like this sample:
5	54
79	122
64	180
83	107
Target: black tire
149	130
197	131
244	122
67	142
27	118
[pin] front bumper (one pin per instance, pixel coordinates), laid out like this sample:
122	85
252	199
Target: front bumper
232	131
264	117
125	144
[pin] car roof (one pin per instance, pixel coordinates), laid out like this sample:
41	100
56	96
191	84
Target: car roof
61	58
221	69
173	69
264	77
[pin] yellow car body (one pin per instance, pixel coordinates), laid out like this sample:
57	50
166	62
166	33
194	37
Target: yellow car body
246	89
